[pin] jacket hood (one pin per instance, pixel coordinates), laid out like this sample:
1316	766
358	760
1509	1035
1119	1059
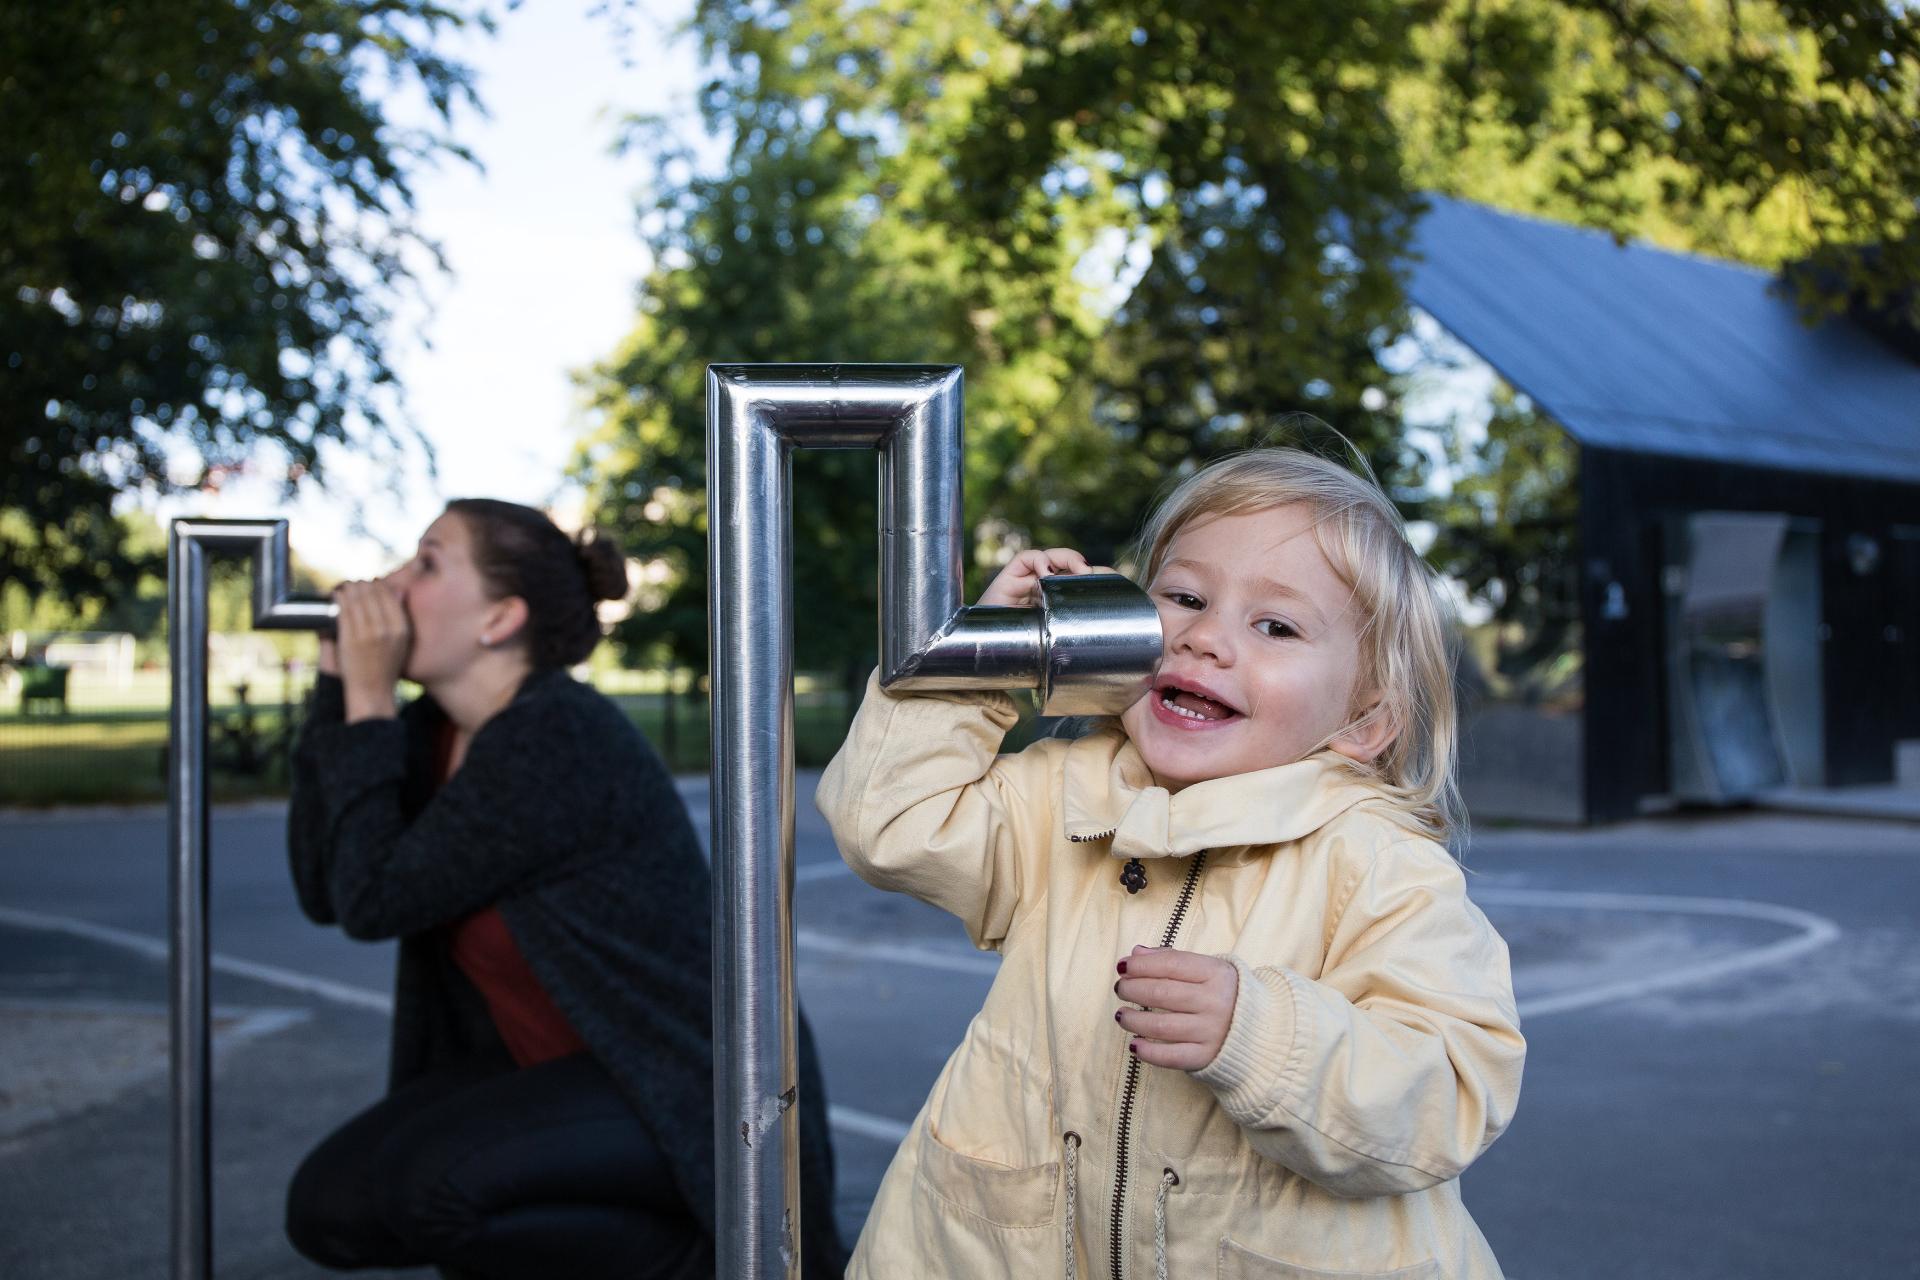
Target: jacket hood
1111	792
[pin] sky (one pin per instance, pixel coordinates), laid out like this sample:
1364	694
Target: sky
544	257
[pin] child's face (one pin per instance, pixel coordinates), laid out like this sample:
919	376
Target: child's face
1262	651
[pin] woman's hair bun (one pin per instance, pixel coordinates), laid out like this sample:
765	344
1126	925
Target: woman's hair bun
605	567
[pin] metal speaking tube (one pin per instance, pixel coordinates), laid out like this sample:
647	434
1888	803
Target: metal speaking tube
1088	649
188	543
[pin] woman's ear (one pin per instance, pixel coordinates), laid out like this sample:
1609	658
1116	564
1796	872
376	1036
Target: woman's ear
505	620
1369	735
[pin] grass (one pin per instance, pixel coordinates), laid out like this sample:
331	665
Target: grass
115	758
101	755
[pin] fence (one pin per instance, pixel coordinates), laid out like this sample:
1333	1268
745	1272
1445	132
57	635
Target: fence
104	740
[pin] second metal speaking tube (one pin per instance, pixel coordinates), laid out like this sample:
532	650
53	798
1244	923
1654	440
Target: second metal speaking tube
189	542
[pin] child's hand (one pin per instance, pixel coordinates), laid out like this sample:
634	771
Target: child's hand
1189	1005
1018	582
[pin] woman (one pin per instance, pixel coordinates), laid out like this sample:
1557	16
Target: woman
550	1109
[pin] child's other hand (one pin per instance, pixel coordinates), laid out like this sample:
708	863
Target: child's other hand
1018	582
1189	1005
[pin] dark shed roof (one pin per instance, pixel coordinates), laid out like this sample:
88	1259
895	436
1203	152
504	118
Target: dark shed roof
1639	349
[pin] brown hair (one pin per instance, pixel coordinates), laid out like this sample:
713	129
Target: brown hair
520	552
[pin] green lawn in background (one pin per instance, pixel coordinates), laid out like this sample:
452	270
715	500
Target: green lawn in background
93	755
115	757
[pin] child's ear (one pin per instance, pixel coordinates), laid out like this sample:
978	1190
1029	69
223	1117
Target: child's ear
1369	735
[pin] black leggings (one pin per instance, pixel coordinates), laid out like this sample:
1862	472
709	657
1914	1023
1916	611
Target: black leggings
539	1172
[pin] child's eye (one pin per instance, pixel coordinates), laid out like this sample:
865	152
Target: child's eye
1184	599
1275	629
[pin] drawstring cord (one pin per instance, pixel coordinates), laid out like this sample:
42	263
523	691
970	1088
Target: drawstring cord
1070	1150
1070	1143
1168	1180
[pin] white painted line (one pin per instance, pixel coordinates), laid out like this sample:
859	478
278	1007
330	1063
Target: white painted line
150	947
156	949
1814	932
865	1124
338	992
256	1023
982	963
261	1022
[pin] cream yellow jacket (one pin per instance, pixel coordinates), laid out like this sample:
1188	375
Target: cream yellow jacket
1374	1049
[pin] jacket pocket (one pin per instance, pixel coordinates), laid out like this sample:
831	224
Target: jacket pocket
1237	1262
994	1193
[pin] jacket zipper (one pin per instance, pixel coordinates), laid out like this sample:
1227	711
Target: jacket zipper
1124	1127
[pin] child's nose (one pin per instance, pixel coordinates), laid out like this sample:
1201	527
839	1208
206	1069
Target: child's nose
1204	637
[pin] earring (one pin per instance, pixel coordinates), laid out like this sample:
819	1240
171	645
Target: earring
486	642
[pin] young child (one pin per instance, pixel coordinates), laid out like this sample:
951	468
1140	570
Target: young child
1247	1023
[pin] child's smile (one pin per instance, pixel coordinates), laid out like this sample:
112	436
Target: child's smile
1262	652
1188	704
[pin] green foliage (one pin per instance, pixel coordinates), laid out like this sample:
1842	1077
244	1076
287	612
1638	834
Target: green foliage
205	220
1755	130
1153	231
1511	533
954	183
138	606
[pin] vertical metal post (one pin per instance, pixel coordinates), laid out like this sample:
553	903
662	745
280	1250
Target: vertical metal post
191	1182
190	1037
1089	649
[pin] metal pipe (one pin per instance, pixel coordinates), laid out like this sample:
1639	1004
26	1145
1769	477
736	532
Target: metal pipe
189	1036
1089	649
756	1151
191	1187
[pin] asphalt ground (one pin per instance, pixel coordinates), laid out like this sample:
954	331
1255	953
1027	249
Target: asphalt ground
1723	1016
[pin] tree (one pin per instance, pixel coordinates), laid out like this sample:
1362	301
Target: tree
139	607
1764	132
866	213
1152	230
205	227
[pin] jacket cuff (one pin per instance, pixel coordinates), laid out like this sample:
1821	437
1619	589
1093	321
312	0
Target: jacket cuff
1250	1074
353	758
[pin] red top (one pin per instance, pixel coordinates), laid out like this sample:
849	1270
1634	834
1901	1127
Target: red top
524	1014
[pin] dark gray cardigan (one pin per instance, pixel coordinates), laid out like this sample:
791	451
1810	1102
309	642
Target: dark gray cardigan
563	818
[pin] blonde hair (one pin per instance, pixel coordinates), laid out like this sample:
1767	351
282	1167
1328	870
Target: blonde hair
1406	638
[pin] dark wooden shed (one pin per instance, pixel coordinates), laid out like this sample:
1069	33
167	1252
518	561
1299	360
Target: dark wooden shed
1750	506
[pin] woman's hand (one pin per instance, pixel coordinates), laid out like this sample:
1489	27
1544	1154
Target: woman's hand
373	638
1188	1001
1018	582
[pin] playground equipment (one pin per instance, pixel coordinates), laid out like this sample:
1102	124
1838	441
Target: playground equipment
189	543
1088	649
